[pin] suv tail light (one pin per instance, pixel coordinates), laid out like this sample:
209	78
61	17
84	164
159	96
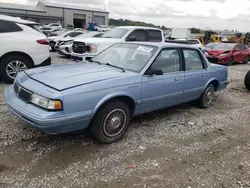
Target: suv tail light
43	41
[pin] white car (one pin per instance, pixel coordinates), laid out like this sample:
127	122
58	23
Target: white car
102	28
54	25
21	47
193	42
64	45
69	35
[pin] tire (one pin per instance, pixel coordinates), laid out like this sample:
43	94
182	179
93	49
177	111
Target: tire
52	45
112	109
206	99
247	60
16	63
230	61
247	80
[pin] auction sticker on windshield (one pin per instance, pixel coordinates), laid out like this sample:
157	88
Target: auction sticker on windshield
145	49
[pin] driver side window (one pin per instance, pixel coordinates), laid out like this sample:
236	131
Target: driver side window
168	61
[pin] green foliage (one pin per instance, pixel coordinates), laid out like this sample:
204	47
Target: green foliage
125	22
196	30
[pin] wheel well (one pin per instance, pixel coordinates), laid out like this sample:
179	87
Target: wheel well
128	100
17	53
215	84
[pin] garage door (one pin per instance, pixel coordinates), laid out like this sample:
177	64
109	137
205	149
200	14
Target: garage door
100	20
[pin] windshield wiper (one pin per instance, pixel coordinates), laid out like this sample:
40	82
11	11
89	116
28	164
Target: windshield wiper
115	66
92	61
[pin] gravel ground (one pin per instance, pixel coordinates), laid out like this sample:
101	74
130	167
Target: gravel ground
183	146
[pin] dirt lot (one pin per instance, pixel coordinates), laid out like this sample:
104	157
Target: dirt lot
183	147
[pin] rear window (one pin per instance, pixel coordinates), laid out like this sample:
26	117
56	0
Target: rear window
8	27
154	35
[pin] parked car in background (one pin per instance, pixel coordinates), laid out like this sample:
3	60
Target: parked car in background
211	45
193	42
69	35
125	80
102	28
64	45
56	32
87	48
46	30
228	54
21	47
79	29
54	25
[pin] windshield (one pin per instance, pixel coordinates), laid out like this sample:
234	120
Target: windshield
224	47
115	33
73	34
132	57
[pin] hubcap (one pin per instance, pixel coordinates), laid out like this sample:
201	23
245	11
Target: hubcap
115	122
209	96
14	67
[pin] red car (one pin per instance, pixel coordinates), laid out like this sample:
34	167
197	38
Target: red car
228	53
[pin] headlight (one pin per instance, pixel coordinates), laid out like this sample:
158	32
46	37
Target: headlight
46	103
68	42
92	48
223	54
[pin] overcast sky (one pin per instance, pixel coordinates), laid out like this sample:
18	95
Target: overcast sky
214	14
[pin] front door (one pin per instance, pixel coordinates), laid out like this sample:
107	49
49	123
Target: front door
160	91
196	75
237	54
244	52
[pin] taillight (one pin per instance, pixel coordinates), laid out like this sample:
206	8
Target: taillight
43	41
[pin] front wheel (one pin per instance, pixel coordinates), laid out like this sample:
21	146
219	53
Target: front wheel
231	61
11	65
207	97
111	122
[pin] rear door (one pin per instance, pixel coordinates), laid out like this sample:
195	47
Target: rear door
196	75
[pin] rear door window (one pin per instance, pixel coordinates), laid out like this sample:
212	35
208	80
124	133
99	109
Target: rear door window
154	35
193	60
8	27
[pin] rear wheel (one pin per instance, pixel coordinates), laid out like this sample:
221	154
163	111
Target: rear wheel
247	80
111	122
13	64
207	97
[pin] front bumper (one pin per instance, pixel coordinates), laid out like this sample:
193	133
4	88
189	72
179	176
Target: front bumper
42	119
81	57
64	50
218	59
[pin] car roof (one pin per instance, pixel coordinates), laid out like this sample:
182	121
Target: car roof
137	27
15	19
163	44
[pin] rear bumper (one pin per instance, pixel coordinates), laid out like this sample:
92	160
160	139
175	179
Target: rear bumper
41	119
47	62
223	85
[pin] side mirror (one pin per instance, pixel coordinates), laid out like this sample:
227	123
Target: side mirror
236	50
153	71
131	38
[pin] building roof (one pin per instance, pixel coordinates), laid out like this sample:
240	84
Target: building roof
71	6
21	7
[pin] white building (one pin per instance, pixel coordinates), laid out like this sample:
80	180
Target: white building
66	14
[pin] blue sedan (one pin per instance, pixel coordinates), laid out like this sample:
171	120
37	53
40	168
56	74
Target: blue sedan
104	93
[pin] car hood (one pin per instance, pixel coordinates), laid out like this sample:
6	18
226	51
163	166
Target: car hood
61	77
217	52
98	40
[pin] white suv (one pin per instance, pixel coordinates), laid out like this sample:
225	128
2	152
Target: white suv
21	47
